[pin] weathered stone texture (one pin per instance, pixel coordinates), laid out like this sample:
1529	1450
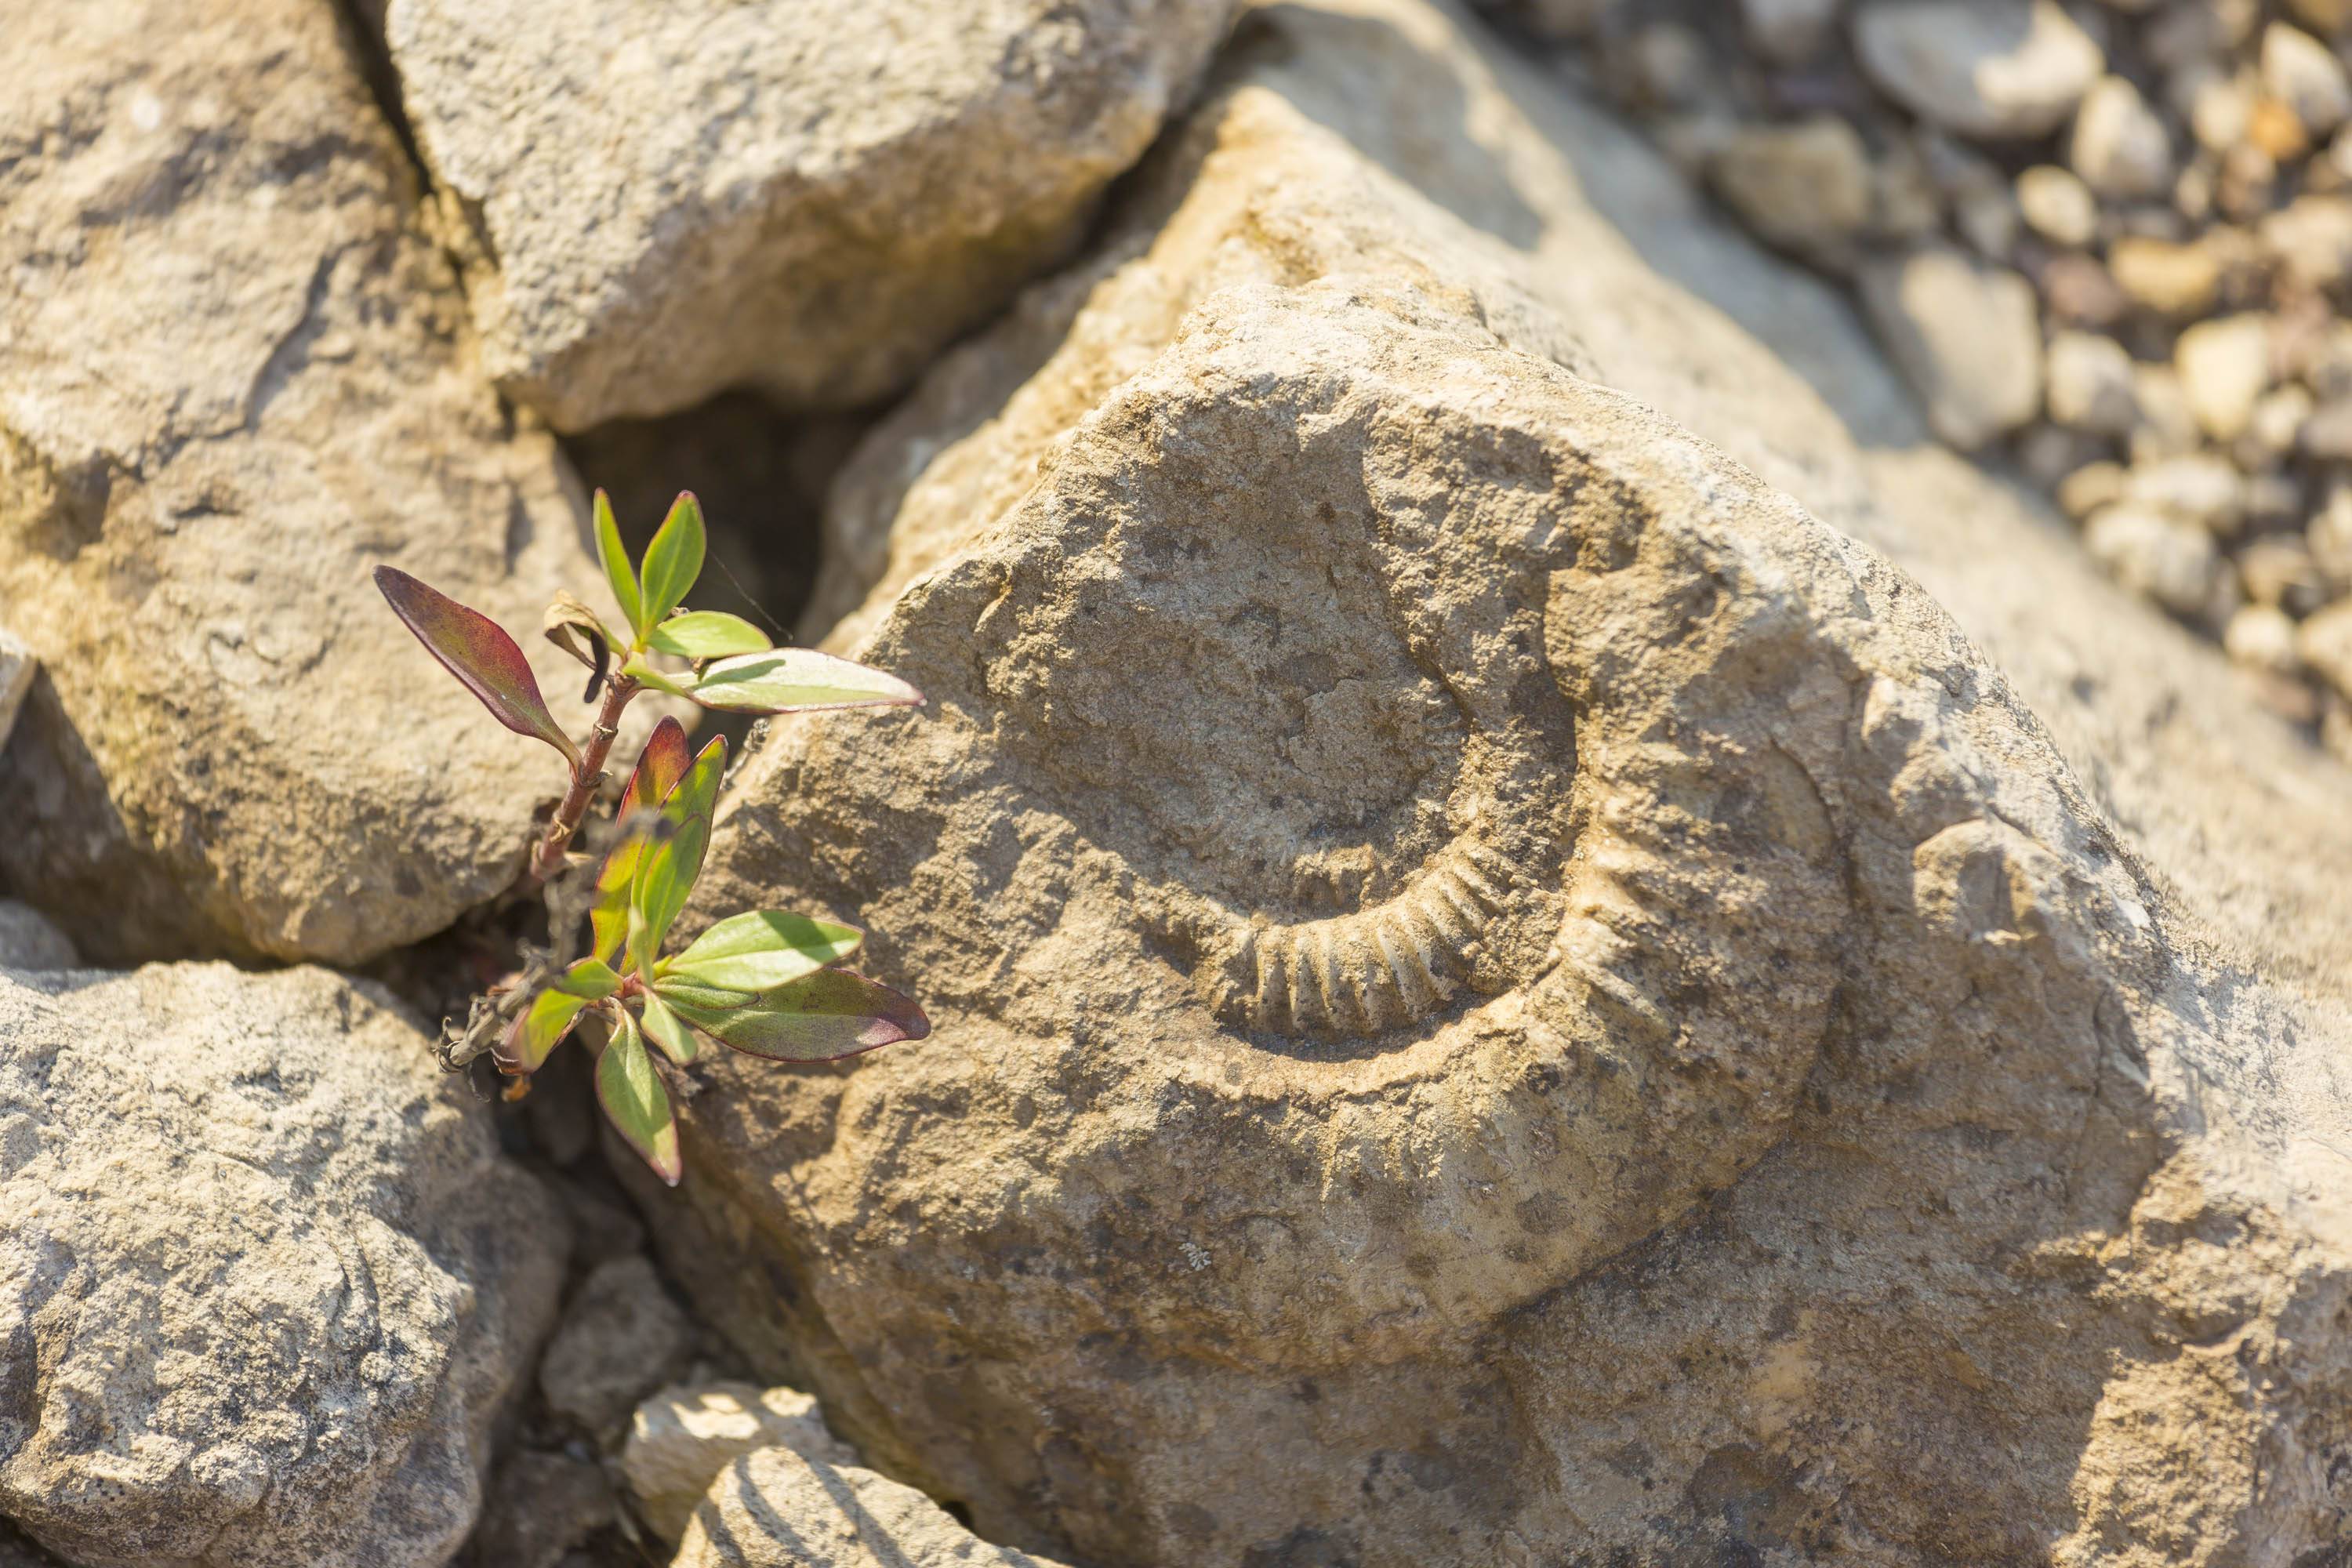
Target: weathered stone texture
660	201
1504	989
266	1280
233	377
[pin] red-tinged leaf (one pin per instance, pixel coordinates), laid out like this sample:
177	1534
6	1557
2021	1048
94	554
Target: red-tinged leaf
664	762
832	1014
660	765
667	1030
472	647
630	1089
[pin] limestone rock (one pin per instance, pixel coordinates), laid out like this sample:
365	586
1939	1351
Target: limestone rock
17	668
1967	334
1995	69
266	1278
232	379
2325	643
683	1437
29	939
1788	32
621	1337
2057	206
2304	74
660	201
542	1505
778	1508
1800	1112
2120	147
1805	187
2161	554
2089	383
2225	366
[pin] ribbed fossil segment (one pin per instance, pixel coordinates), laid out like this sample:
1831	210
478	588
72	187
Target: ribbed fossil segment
1382	968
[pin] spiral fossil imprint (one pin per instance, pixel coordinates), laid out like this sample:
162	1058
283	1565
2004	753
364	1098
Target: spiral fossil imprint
1375	969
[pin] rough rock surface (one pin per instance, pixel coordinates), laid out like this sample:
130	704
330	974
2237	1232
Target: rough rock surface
660	201
232	379
29	939
779	1508
621	1337
682	1437
1475	940
264	1280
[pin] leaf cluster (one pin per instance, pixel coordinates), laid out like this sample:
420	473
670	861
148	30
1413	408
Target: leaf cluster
766	983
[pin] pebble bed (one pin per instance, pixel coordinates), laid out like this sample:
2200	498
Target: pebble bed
2111	240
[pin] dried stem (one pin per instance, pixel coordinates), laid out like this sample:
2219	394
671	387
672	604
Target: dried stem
547	863
568	901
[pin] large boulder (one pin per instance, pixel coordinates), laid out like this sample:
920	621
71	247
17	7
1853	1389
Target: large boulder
232	378
1505	991
659	200
266	1280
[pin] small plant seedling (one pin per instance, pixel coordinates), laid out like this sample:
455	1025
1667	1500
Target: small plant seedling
765	983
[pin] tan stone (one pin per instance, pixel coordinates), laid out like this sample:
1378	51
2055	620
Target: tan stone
660	199
232	378
266	1282
779	1508
683	1437
1385	806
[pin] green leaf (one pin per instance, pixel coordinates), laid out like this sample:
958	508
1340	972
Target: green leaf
685	992
590	978
833	1012
660	765
630	1089
667	1030
472	647
644	674
673	560
763	949
615	561
665	876
707	633
534	1035
669	862
795	680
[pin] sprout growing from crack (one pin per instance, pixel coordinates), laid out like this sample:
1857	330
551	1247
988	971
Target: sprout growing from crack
765	983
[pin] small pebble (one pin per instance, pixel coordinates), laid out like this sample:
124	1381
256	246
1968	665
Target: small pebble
2087	384
2325	643
2224	365
2089	487
1803	187
2168	558
2171	279
2303	75
2058	205
2120	147
2203	487
2262	637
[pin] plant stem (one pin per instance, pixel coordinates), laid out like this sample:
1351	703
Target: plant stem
547	862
